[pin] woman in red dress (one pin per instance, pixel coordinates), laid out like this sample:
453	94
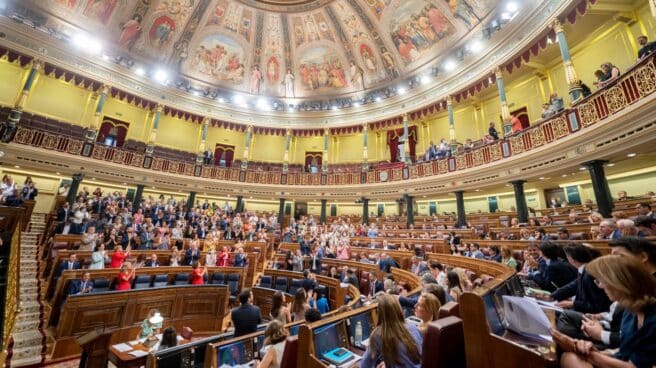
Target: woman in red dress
119	256
223	258
124	278
197	274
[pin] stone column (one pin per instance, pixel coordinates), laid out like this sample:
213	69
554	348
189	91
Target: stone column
365	211
410	210
74	188
365	148
281	213
11	125
405	154
452	125
460	205
138	195
92	132
240	204
191	200
505	113
520	200
574	83
324	203
200	157
600	186
285	159
247	146
326	141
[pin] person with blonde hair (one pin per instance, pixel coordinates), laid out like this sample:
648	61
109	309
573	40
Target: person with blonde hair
507	258
393	342
427	309
627	281
275	337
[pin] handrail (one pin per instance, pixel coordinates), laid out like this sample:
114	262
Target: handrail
12	294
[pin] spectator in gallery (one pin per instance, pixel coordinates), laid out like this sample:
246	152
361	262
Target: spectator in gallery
516	124
646	47
29	190
492	132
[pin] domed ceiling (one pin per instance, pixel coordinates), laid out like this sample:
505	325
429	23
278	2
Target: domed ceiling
280	48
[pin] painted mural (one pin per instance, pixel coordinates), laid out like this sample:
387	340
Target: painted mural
337	46
219	58
417	26
320	68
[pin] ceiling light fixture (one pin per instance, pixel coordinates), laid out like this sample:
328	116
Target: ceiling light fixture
425	79
334	108
401	90
610	164
221	100
476	46
512	7
140	71
378	99
631	155
356	104
449	65
161	76
506	16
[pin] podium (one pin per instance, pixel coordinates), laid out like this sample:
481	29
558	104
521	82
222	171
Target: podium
95	347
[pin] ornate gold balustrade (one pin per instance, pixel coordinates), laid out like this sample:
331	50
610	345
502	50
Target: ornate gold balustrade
635	84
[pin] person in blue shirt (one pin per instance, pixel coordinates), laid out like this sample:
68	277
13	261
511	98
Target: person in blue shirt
627	281
322	302
393	342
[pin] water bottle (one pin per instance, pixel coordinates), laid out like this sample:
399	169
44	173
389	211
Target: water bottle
358	334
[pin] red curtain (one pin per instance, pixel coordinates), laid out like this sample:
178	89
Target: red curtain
116	128
313	159
224	152
522	115
393	142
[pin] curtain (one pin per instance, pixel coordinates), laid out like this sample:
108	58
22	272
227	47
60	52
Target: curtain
313	160
393	137
112	132
224	152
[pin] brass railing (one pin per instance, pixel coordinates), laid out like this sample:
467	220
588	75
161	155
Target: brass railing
12	296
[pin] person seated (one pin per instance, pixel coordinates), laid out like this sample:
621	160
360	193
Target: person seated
169	339
275	337
151	324
240	258
427	310
626	281
554	272
152	261
393	342
312	315
81	286
70	264
646	47
454	285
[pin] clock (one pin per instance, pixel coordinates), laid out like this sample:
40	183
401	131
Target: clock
383	175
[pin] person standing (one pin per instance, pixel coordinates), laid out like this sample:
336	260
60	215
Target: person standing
247	316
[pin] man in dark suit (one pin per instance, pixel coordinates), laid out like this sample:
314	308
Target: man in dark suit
152	261
386	263
350	278
246	317
81	286
146	238
308	283
191	255
70	264
315	261
418	267
64	212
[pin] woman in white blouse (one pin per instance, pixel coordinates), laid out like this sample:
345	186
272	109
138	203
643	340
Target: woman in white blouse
210	257
98	257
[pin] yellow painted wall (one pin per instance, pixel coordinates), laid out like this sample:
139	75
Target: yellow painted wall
270	148
224	136
178	134
300	145
140	120
11	76
58	99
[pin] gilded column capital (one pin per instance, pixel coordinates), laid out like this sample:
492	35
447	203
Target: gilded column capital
498	73
557	26
37	64
159	108
449	100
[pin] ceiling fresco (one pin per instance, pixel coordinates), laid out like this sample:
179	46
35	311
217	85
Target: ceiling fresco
278	48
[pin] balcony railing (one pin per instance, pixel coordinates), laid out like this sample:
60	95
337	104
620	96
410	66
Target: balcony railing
635	84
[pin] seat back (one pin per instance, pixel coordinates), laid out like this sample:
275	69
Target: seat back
100	285
444	344
281	284
233	283
449	309
289	356
365	284
142	281
266	282
218	278
181	279
294	285
161	280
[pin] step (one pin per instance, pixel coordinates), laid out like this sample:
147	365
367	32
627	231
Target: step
31	360
26	316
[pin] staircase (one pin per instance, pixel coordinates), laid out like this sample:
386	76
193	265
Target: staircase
28	339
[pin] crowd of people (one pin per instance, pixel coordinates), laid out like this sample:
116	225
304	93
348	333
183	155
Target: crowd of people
13	195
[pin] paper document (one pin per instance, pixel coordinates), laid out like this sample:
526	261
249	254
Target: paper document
123	347
547	304
138	353
524	316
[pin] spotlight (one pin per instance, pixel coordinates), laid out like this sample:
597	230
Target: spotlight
631	155
610	164
356	104
161	76
221	100
195	93
449	65
263	104
506	16
476	46
425	79
334	108
87	44
401	90
512	7
238	100
378	99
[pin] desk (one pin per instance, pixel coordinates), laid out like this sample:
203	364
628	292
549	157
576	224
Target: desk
123	359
